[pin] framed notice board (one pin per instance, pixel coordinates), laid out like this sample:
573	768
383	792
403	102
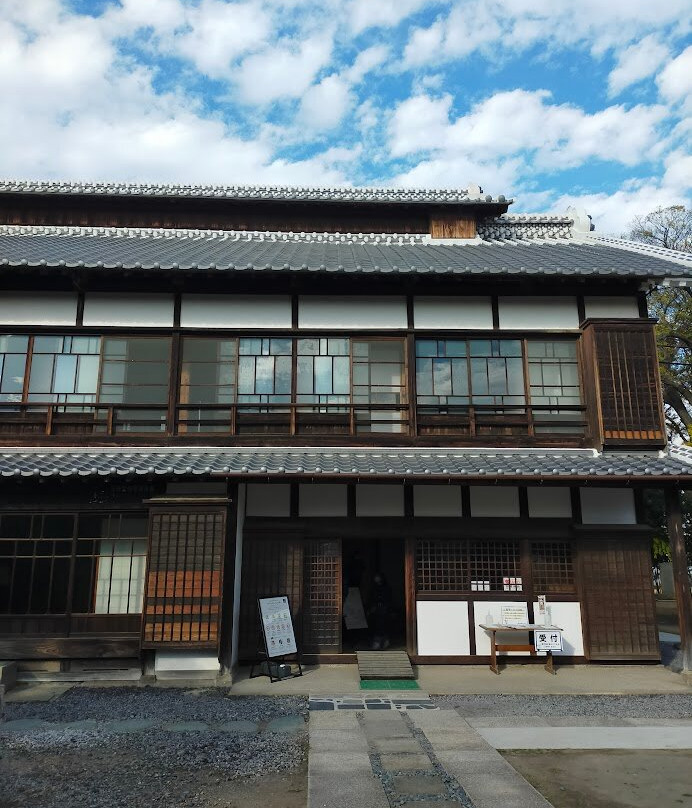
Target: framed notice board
277	626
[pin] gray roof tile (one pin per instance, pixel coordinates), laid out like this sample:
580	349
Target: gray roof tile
437	196
240	252
375	463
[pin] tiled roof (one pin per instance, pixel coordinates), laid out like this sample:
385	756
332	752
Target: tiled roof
145	249
367	463
294	193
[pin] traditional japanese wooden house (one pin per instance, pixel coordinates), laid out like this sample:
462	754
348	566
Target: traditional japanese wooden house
211	394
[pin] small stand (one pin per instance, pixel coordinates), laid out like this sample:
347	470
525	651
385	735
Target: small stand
496	647
276	625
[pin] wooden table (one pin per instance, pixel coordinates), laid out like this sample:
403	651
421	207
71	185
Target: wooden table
502	648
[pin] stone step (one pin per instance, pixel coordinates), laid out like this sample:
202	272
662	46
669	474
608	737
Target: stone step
384	665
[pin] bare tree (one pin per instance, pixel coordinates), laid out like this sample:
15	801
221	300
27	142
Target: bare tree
672	228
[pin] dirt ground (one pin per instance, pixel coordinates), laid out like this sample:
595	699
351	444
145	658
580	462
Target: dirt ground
42	780
608	779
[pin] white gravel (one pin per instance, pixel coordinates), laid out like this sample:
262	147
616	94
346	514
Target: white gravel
678	705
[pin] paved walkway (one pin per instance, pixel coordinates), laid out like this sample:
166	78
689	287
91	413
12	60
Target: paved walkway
424	758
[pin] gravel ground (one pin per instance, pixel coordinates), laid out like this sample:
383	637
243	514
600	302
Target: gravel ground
94	767
677	705
213	705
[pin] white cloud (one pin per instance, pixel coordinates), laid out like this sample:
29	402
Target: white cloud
220	32
283	71
678	171
163	16
366	61
510	123
324	105
502	27
365	14
675	80
636	63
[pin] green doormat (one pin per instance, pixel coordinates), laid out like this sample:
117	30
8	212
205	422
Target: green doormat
388	684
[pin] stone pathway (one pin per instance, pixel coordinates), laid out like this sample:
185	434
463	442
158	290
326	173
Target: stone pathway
365	702
393	758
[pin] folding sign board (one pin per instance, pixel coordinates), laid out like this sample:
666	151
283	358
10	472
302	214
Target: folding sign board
277	626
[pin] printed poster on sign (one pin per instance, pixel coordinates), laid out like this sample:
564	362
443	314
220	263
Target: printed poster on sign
548	640
516	615
277	625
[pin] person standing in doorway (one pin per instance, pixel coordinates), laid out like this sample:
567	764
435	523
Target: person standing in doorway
380	611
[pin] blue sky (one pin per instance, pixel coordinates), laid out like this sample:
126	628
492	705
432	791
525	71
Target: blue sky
553	103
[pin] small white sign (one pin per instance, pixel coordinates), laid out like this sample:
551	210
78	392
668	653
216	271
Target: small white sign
277	626
548	640
516	615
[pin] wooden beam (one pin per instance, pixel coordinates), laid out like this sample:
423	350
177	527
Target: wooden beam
681	577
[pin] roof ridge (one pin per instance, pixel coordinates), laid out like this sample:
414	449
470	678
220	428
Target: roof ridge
336	193
667	254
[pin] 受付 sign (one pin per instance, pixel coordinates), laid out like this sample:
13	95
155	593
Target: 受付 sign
548	640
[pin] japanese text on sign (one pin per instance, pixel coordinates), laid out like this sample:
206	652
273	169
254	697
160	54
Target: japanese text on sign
277	626
548	640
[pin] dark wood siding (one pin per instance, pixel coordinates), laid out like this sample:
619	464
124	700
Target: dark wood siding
184	577
626	382
618	609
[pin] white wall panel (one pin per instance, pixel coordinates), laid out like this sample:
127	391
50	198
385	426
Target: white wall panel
443	628
567	616
538	312
549	502
379	500
481	610
186	661
38	308
352	312
452	312
494	500
437	500
317	499
143	310
623	306
235	311
268	500
608	506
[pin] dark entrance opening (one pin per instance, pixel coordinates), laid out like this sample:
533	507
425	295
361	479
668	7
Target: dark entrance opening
373	591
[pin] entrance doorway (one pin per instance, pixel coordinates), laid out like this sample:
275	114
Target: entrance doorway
373	589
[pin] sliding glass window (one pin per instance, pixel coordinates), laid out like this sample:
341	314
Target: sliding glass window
64	369
207	384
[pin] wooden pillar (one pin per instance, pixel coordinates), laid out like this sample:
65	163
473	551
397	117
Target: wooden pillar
680	574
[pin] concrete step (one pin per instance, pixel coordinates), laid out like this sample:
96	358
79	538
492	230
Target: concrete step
384	665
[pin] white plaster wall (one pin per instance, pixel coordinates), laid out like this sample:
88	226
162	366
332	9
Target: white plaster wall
452	312
237	576
173	661
144	310
623	306
549	502
352	312
38	308
268	500
481	608
379	500
494	500
608	506
538	312
443	627
322	499
235	311
566	616
437	500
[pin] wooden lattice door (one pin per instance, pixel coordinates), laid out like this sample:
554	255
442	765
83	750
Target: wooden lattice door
617	598
309	572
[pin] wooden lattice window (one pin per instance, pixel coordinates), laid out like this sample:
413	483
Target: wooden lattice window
322	596
183	593
441	566
552	566
628	383
462	566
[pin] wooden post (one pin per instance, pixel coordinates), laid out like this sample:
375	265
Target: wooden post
680	574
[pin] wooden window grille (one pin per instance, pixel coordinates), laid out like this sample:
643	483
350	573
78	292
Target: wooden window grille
441	566
322	596
184	581
552	566
628	382
463	566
